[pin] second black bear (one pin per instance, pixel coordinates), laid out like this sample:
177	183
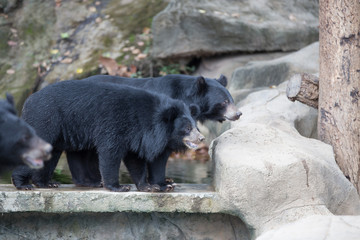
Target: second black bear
18	142
113	121
214	100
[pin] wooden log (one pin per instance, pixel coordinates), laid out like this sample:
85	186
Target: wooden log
304	88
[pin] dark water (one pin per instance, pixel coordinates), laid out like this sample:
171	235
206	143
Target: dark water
181	171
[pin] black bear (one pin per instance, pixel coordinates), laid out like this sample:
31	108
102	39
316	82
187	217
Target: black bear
18	142
209	94
112	120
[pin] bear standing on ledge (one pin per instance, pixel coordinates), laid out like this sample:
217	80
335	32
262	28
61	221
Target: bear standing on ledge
214	100
113	121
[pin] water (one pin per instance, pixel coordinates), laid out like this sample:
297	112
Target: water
181	171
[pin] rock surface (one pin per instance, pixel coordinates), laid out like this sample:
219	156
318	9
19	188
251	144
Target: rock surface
272	107
272	176
42	42
317	227
123	225
273	72
199	28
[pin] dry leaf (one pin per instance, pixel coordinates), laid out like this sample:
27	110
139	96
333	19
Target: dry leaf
10	71
98	20
146	30
92	9
110	65
79	70
12	43
141	43
66	60
136	51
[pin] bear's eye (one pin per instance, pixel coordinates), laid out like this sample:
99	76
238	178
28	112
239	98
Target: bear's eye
25	138
188	128
225	102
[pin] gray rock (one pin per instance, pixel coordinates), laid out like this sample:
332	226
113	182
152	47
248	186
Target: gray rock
270	105
199	28
317	227
270	176
273	72
121	225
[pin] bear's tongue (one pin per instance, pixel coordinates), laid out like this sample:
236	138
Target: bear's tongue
190	144
34	162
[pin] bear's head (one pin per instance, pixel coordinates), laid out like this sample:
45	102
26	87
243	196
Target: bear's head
215	101
182	126
18	141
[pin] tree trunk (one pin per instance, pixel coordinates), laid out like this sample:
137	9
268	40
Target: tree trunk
339	118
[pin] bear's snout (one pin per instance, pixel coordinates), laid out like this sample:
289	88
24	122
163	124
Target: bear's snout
232	113
193	139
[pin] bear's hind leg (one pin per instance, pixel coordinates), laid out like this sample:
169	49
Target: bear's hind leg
138	172
109	164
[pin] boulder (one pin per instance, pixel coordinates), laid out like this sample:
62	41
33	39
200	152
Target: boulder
273	72
200	28
270	176
268	106
317	227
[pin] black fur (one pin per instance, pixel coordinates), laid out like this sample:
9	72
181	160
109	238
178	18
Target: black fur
110	120
17	138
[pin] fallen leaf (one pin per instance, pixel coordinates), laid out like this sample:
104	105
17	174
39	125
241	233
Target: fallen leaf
146	30
92	9
125	49
202	11
12	43
110	65
64	35
66	60
133	69
13	30
140	43
79	70
141	56
10	71
54	51
98	20
136	51
97	3
236	15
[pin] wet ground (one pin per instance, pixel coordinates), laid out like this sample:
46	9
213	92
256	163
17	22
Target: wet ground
182	171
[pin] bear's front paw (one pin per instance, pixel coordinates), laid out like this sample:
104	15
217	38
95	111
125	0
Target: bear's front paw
169	181
25	187
47	185
120	188
144	188
167	188
163	188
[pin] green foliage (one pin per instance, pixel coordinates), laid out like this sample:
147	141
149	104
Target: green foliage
61	177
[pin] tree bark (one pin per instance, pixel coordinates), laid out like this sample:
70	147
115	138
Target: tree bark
339	118
304	88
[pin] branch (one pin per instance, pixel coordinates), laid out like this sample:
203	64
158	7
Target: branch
304	88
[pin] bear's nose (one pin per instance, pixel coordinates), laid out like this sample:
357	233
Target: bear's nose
47	148
238	114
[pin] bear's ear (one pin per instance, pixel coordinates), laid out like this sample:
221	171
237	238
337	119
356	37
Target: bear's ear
222	80
169	114
201	85
194	110
10	99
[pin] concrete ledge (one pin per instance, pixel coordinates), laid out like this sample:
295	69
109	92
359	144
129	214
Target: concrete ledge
187	198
